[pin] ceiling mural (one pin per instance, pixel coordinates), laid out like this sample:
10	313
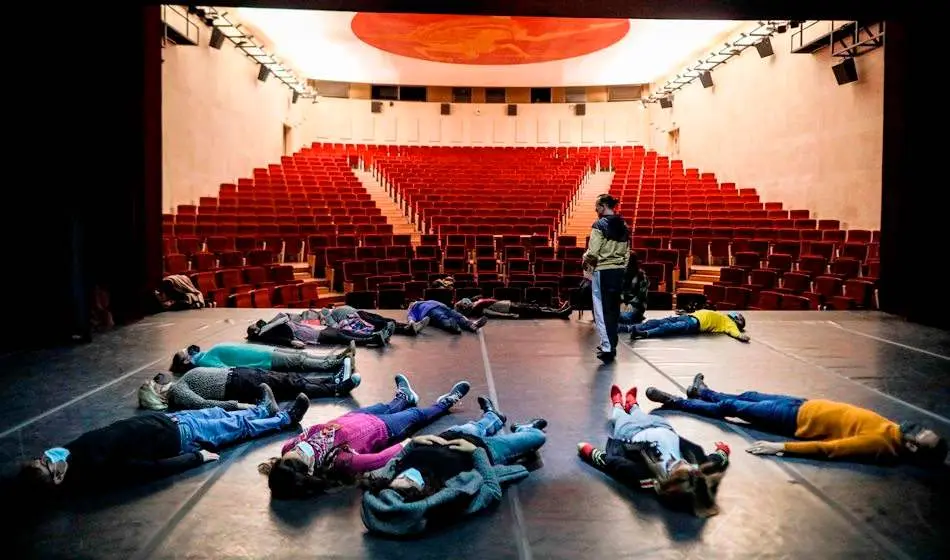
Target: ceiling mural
485	40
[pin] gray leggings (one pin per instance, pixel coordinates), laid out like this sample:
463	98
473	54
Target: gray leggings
301	362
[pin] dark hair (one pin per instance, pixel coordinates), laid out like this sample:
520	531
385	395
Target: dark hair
35	482
608	201
932	456
692	490
288	479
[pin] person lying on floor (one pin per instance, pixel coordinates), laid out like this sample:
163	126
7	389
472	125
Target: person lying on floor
644	451
154	445
443	316
438	479
237	388
702	321
228	354
345	314
333	453
507	309
299	330
636	286
831	430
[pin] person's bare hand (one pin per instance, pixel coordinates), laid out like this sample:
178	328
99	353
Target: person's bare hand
207	456
429	439
744	337
462	445
766	448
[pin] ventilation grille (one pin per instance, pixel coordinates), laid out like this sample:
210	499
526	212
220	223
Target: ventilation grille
623	93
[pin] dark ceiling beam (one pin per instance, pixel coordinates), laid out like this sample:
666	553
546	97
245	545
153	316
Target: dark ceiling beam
642	9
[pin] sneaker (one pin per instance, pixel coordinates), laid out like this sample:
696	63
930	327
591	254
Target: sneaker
268	400
378	339
345	372
479	323
351	382
404	389
606	357
536	423
616	395
631	399
418	326
455	329
638	334
659	396
698	385
487	406
565	312
591	454
452	398
298	409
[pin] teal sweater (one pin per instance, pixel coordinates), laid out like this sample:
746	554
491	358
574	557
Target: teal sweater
389	514
235	355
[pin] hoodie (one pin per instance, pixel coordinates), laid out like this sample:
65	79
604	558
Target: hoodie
609	245
388	513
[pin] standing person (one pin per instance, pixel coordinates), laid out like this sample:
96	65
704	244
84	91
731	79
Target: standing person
333	453
154	445
830	430
606	260
644	451
229	354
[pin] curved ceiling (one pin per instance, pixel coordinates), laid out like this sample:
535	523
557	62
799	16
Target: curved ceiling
504	51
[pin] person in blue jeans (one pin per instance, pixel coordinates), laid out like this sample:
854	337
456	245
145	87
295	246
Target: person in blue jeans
439	479
731	323
443	317
154	445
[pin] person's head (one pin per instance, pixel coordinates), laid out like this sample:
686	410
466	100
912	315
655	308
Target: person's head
923	444
182	360
690	487
40	477
738	319
299	474
153	394
464	304
605	205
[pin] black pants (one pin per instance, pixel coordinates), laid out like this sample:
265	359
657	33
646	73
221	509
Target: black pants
534	311
379	322
611	292
331	335
300	362
244	385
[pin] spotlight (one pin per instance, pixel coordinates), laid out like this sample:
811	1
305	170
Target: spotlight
765	48
845	72
263	73
705	78
781	28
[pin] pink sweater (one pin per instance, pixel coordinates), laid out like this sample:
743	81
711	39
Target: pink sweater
364	435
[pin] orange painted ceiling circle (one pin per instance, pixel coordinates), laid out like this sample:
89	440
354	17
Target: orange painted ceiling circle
487	40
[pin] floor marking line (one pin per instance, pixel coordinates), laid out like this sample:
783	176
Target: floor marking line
521	534
855	521
887	341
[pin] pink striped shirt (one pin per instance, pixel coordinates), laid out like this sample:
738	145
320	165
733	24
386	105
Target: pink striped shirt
364	435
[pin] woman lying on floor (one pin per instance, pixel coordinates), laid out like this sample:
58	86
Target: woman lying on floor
507	309
437	480
333	453
343	315
309	328
643	451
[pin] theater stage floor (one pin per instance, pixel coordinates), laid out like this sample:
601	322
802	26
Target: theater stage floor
771	507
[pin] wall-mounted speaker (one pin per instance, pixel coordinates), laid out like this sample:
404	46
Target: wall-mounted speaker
666	102
512	110
845	72
580	109
217	38
764	47
263	73
705	78
376	107
446	109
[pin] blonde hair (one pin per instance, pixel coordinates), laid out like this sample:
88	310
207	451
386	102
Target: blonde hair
150	398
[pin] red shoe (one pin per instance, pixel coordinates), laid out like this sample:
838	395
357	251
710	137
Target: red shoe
616	395
585	450
724	447
631	399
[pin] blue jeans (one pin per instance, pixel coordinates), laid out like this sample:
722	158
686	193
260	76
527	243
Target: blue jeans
217	428
449	319
773	413
677	324
629	320
401	418
504	448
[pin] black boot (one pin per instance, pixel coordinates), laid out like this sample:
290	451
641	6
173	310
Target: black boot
659	396
606	357
694	390
298	409
536	423
268	400
487	406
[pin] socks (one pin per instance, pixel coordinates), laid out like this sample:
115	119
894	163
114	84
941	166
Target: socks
591	454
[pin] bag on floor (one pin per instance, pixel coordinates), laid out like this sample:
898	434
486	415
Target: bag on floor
178	293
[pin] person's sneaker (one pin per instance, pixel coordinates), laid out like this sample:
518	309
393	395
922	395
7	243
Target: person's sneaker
606	357
659	396
697	387
638	334
631	399
487	406
590	453
452	398
455	329
536	423
479	323
378	339
616	395
345	372
404	389
268	400
347	386
419	326
565	312
298	409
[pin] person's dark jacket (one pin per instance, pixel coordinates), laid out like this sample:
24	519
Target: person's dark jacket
627	462
286	330
143	447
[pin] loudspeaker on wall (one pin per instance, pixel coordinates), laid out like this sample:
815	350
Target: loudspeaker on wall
376	107
705	78
666	102
263	73
512	110
845	72
764	47
580	109
446	109
217	38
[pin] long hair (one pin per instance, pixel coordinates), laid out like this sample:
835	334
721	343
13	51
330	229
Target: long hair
288	478
692	489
